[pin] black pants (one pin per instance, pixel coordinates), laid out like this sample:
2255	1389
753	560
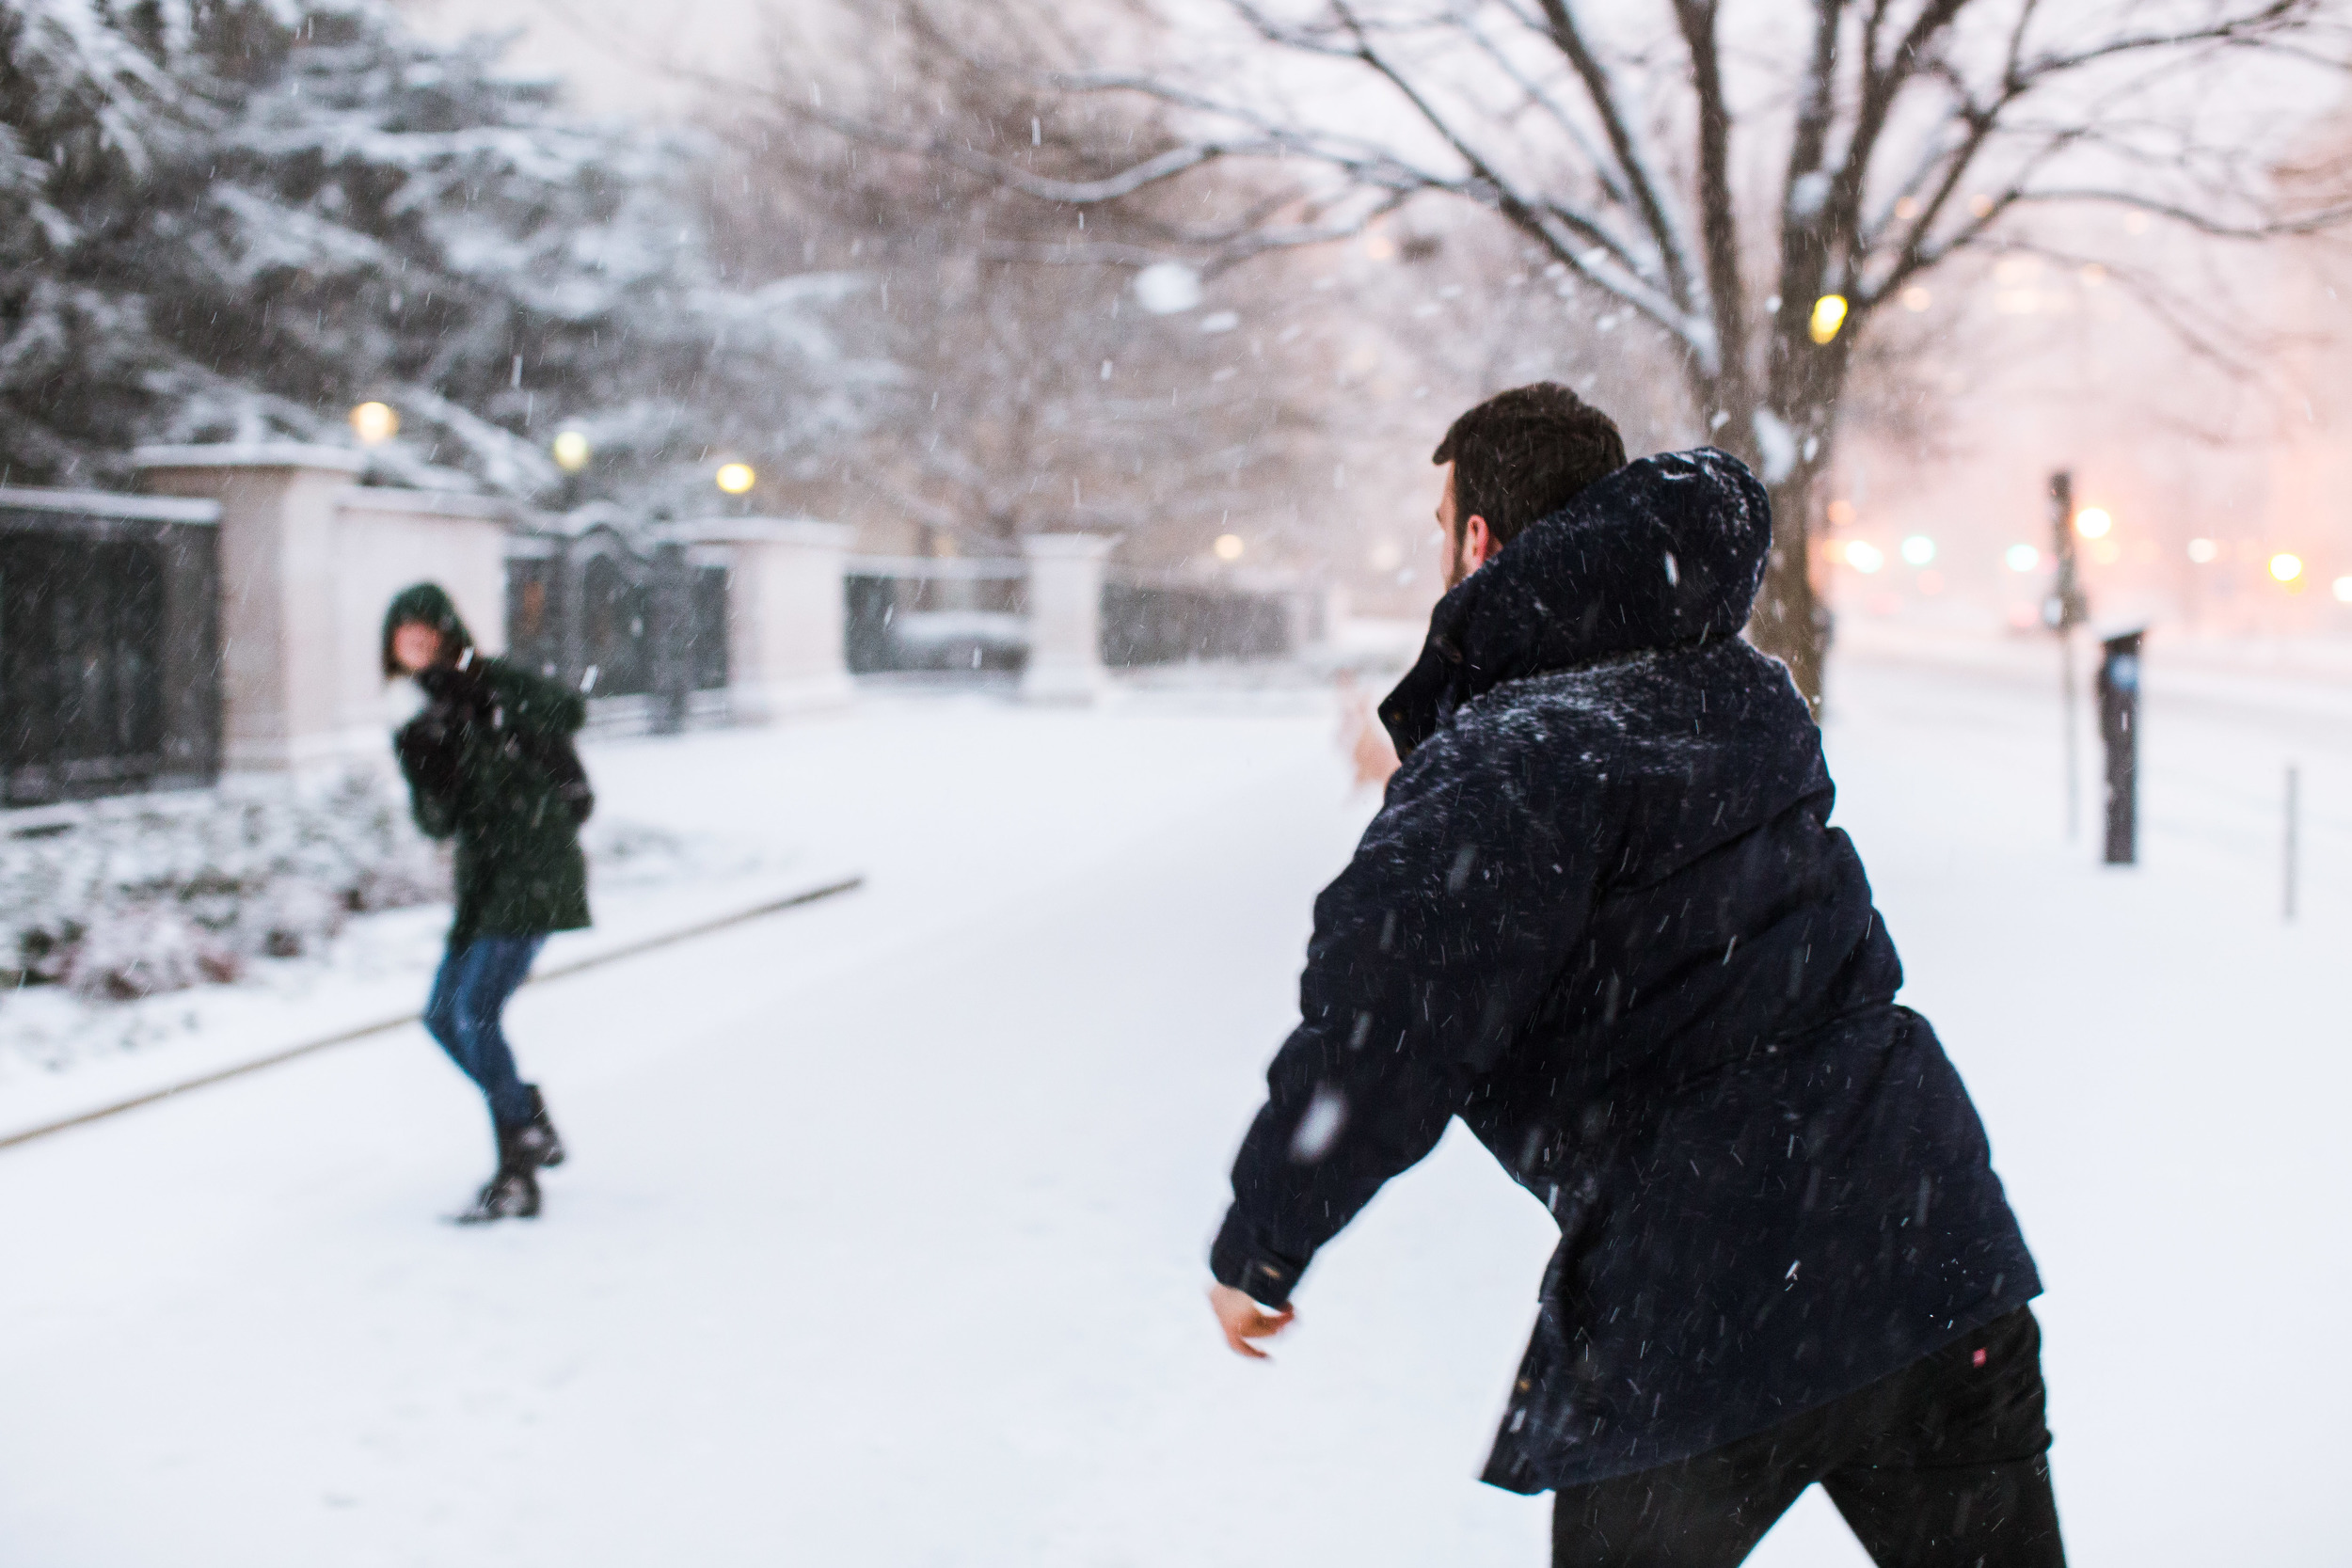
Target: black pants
1941	1466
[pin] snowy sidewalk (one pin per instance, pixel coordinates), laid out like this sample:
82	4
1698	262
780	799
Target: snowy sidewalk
881	1241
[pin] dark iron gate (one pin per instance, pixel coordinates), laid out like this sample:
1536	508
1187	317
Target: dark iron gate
109	668
969	615
1159	618
935	614
633	621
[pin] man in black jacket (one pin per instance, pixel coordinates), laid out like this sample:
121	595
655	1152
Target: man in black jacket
1601	917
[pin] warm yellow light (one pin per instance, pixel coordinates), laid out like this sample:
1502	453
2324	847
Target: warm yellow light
2093	522
1841	512
2203	551
1916	298
374	424
1227	547
1829	314
1864	557
736	478
2285	567
571	451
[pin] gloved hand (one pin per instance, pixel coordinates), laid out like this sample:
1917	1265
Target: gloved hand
428	747
465	691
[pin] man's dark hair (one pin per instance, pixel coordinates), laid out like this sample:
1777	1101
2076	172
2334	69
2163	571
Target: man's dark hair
1523	455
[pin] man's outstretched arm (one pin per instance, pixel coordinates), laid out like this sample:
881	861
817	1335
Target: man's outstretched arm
1429	952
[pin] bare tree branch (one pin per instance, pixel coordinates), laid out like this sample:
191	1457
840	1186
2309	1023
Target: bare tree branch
1635	169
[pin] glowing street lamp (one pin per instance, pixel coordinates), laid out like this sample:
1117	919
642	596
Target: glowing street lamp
2093	522
1829	314
2022	557
571	451
374	424
1229	547
1918	550
2203	551
2285	567
735	479
1864	557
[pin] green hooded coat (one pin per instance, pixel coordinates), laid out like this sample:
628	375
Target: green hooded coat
475	761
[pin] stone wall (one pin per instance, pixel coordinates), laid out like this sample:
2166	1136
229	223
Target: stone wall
309	559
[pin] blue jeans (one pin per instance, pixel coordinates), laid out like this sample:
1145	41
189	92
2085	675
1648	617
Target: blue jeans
469	995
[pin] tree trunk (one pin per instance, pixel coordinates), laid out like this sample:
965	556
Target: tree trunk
1801	386
1789	622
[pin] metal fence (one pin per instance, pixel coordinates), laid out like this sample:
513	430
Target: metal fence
1152	619
909	614
109	664
638	624
962	614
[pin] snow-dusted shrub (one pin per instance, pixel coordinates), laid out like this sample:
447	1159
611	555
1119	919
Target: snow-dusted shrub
128	902
138	950
128	898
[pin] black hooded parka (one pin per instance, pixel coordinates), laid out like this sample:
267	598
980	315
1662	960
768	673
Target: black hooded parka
490	763
1602	918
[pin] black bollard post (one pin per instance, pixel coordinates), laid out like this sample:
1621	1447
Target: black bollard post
2118	727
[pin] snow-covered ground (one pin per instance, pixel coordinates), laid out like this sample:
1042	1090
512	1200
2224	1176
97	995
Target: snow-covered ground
881	1240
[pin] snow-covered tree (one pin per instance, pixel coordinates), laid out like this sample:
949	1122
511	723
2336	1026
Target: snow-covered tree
1758	183
231	220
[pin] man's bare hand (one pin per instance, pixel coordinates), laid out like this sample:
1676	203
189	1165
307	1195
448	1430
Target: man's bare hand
1244	1319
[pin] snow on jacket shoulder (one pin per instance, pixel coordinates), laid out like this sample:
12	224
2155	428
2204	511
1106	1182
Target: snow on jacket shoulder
1602	918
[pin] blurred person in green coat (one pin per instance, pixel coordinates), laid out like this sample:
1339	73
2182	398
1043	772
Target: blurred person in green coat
490	763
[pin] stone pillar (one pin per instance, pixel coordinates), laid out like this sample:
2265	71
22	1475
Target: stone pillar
1065	617
1302	621
386	539
1337	610
787	613
277	592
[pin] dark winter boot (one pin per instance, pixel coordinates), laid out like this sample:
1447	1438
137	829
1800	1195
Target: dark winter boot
539	1141
512	1194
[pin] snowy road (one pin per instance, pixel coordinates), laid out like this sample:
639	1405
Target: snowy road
882	1240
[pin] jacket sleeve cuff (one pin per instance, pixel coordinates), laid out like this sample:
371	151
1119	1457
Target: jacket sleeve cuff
1236	1260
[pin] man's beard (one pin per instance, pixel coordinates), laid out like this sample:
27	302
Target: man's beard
1457	567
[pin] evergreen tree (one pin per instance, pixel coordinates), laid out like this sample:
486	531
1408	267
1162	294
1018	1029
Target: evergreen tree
236	220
